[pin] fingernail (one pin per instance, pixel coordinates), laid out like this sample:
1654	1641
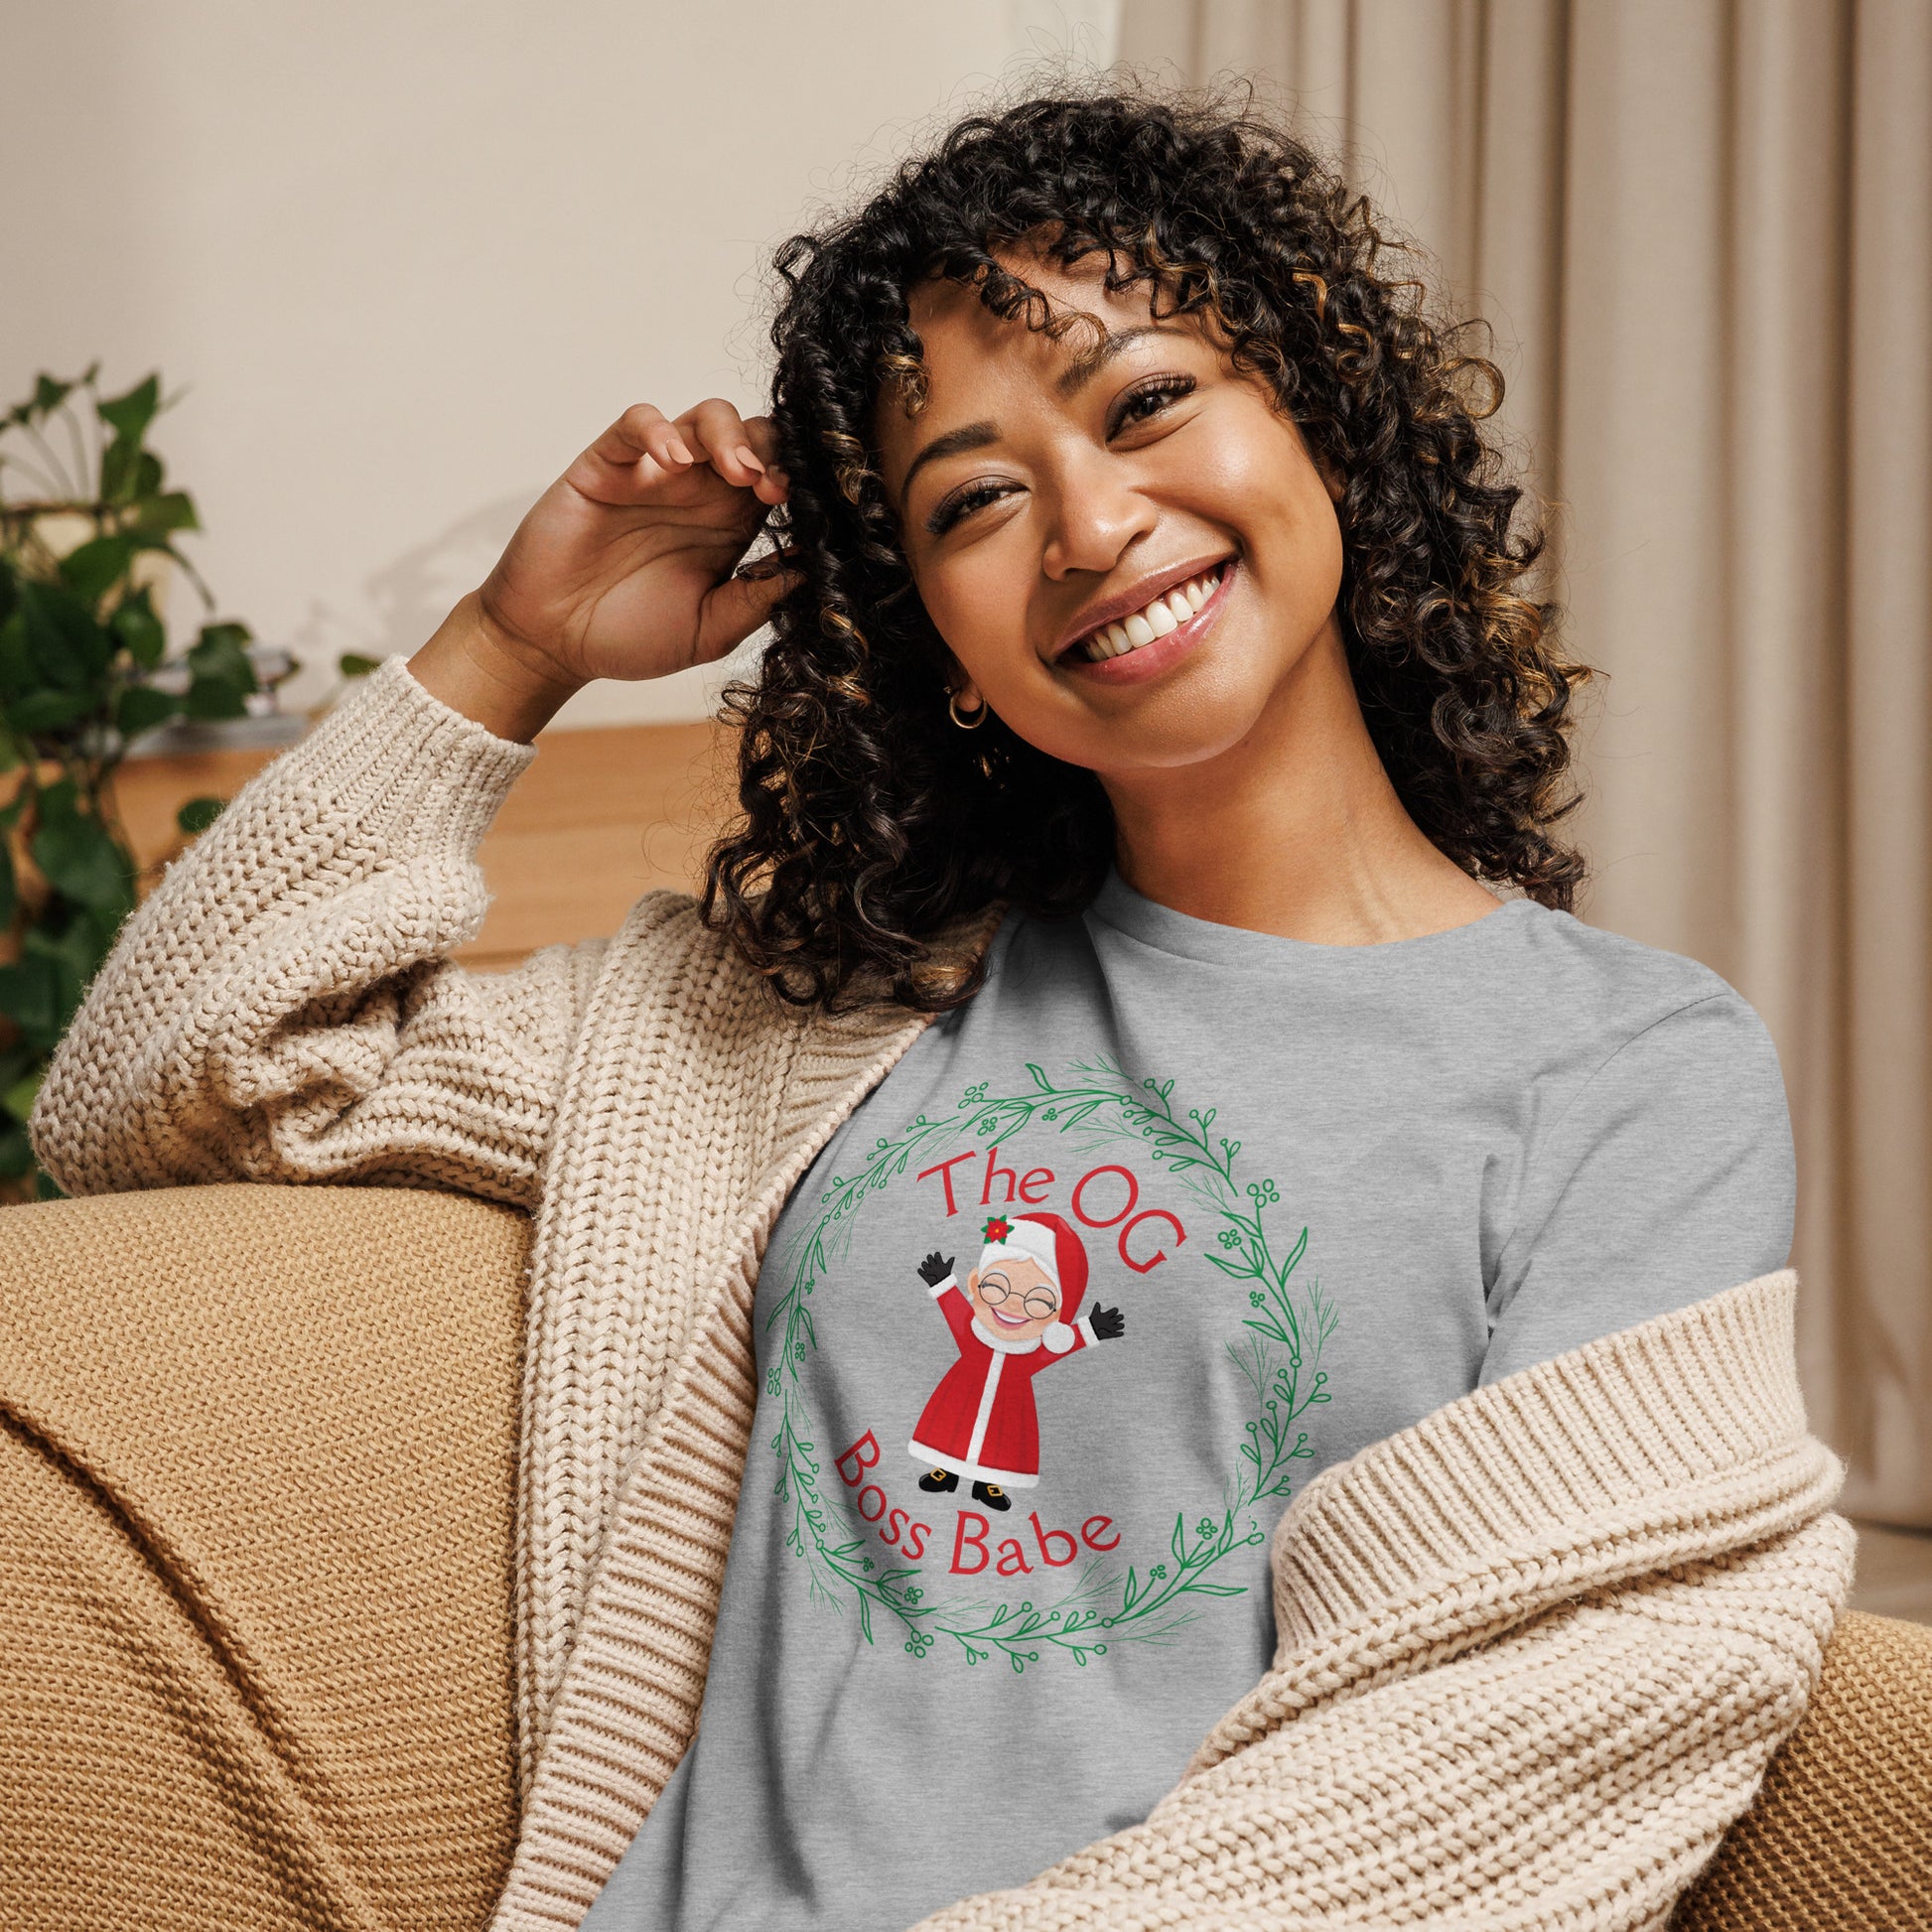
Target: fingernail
745	457
677	449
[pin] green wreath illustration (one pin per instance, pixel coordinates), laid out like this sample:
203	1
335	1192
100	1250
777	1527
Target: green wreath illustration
1278	1352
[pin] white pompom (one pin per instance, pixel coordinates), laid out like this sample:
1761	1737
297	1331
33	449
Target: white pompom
1058	1338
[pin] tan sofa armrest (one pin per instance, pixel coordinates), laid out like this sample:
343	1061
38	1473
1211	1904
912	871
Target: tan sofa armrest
1841	1832
257	1451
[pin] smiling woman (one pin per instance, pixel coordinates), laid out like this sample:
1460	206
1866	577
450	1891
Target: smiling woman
1102	1284
1083	360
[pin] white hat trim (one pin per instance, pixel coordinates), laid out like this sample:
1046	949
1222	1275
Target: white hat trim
1027	1241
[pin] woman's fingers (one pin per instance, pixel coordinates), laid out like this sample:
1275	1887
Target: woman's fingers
637	451
644	446
762	435
721	436
737	606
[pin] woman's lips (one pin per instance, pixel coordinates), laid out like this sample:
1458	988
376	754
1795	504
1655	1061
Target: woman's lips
1006	1321
1150	660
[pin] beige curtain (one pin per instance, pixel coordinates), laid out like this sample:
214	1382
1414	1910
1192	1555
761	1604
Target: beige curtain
1703	233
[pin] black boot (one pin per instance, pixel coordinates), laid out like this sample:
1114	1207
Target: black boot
935	1483
992	1495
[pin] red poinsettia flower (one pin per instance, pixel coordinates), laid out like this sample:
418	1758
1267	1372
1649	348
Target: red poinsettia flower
997	1230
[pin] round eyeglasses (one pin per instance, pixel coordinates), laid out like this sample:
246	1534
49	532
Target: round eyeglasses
996	1290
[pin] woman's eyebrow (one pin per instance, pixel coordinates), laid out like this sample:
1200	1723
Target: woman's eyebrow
1085	367
955	441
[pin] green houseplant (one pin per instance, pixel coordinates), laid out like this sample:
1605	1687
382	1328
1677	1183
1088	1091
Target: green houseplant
87	538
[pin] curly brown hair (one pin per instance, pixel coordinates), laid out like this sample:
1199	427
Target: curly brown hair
868	823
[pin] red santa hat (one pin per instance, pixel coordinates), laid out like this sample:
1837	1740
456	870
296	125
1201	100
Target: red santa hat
1046	1240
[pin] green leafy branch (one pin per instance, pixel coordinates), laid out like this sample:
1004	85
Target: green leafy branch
1076	1626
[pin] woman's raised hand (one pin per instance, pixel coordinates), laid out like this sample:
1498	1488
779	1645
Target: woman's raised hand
623	568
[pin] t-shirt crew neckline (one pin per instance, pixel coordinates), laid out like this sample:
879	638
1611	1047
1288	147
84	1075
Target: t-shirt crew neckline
1141	918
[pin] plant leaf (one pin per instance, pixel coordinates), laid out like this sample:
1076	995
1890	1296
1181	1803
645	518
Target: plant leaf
9	890
47	710
49	394
223	676
214	697
93	569
69	649
78	856
141	708
18	1099
120	471
173	510
136	626
17	672
129	415
31	997
198	815
352	664
222	650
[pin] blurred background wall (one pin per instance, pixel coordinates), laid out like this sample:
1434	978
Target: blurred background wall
406	260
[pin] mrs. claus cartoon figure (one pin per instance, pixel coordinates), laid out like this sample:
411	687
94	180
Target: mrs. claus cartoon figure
1012	1318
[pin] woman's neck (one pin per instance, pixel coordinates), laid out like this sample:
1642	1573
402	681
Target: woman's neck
1295	830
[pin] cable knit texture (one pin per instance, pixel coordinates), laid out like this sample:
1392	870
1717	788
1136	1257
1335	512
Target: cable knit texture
1534	1651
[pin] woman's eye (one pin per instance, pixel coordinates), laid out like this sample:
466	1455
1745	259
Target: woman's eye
961	503
1141	404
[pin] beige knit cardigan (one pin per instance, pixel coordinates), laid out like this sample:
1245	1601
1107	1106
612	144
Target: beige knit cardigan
1534	1651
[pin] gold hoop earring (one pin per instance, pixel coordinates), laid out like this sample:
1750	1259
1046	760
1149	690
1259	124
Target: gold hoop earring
971	724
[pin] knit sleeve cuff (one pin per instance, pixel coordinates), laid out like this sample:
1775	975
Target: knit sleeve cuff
937	1289
409	770
1595	1446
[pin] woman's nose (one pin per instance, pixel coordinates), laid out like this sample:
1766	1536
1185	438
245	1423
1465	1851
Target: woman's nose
1093	513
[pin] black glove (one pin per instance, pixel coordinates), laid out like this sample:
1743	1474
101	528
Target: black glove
934	1269
1109	1325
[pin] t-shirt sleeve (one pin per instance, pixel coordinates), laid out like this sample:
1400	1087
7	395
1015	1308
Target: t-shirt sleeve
1669	1177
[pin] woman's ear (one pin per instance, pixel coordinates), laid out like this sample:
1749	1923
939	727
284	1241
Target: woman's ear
960	687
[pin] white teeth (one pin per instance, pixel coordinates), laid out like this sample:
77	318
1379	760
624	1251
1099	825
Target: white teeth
1165	614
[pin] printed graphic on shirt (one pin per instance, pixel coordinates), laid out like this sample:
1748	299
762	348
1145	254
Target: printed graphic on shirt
1014	1316
1100	1177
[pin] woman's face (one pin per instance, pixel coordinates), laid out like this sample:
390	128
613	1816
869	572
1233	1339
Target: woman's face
1050	487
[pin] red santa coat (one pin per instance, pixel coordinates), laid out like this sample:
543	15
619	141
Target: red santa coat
980	1422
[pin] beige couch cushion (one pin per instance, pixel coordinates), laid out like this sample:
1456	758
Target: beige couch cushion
255	1553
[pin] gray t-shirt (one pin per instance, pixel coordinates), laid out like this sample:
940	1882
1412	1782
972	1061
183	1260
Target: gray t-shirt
1000	1558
